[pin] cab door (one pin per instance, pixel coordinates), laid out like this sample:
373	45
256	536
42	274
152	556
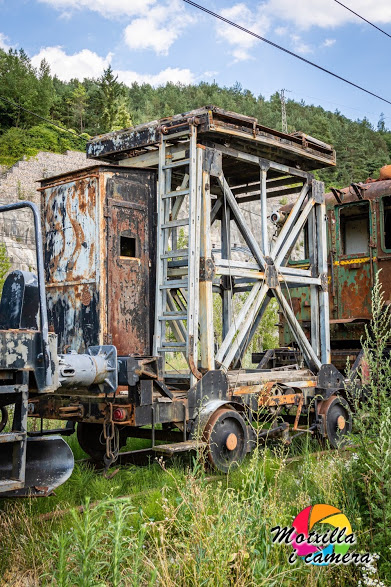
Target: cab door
130	198
353	266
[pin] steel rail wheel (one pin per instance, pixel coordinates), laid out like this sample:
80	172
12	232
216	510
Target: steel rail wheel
337	419
226	437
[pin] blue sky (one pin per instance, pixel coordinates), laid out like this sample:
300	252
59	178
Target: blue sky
160	40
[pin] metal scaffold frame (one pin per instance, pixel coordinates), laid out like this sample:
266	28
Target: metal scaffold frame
188	276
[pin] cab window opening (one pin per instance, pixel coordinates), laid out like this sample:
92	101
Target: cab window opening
354	229
127	246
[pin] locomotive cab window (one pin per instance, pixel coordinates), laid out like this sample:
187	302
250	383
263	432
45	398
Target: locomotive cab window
386	223
299	252
127	246
354	229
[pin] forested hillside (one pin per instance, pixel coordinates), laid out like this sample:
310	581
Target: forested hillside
100	105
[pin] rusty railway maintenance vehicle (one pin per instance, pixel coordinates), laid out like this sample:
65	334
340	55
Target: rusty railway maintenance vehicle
125	286
359	247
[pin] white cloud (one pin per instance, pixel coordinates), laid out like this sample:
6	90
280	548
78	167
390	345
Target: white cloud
299	46
263	16
171	74
158	27
241	42
86	63
107	8
325	13
281	30
210	74
151	24
4	42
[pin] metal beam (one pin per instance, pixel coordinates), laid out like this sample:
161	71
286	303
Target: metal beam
263	197
290	221
250	335
324	316
237	322
241	222
206	294
301	339
294	233
227	293
247	324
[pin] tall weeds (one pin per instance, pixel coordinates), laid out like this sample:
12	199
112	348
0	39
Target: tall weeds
370	467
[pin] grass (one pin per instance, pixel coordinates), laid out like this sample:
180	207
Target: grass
177	526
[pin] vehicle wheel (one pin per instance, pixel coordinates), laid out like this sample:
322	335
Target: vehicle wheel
226	437
90	438
338	419
4	418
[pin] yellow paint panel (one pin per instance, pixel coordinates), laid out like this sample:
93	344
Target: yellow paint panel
351	261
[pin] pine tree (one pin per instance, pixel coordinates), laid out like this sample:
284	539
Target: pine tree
110	93
78	103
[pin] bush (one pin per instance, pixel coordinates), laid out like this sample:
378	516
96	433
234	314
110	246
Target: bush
371	466
17	143
5	264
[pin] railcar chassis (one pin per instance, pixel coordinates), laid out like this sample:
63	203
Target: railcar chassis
131	277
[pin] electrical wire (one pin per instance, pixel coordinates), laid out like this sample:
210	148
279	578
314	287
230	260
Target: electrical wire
42	118
362	18
336	104
243	29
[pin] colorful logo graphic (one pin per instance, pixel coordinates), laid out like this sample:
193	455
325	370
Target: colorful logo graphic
320	545
329	543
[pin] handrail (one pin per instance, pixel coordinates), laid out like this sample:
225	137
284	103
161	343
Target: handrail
43	313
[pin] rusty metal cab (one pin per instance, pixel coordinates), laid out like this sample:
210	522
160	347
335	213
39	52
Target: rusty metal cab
359	245
99	246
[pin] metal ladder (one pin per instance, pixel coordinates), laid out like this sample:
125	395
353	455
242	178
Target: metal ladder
177	300
16	438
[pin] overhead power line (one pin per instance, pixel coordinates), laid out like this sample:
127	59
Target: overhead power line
241	28
42	118
362	18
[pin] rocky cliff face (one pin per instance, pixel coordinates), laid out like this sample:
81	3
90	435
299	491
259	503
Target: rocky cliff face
20	183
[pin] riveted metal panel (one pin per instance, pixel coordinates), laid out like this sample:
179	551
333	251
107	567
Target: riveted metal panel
130	206
72	251
96	295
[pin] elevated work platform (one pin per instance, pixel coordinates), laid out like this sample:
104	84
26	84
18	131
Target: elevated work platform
233	130
209	163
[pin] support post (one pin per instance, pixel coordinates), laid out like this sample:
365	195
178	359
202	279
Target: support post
314	289
206	274
324	317
195	188
226	254
263	194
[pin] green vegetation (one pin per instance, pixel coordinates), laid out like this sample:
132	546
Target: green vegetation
16	143
5	264
371	466
101	105
171	524
174	524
